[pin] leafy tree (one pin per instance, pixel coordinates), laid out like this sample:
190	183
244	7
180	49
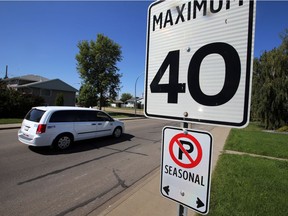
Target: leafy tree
270	86
14	104
125	97
97	67
2	84
59	100
26	102
87	96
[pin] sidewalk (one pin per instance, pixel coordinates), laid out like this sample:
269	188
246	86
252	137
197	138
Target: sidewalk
145	199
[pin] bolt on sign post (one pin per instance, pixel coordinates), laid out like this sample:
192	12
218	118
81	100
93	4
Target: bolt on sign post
186	167
199	61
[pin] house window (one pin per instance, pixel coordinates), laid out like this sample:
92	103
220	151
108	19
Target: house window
45	92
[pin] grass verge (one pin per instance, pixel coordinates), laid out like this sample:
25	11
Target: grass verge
10	120
112	114
121	115
246	185
253	140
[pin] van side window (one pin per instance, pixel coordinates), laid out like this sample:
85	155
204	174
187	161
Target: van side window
86	116
79	116
103	117
63	116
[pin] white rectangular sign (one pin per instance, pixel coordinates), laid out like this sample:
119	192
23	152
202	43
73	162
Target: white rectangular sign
199	61
186	167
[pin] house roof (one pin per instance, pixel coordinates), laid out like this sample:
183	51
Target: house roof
55	84
29	77
133	99
117	101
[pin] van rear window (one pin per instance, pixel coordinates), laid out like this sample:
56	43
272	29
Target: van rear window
34	115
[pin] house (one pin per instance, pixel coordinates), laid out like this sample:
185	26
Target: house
41	86
131	103
116	103
141	103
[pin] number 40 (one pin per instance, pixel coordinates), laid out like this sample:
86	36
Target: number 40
173	87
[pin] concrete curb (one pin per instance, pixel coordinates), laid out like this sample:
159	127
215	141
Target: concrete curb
10	126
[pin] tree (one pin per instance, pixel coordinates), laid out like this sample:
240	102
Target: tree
97	67
14	104
270	86
59	99
87	96
125	97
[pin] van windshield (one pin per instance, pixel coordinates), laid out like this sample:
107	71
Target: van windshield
34	115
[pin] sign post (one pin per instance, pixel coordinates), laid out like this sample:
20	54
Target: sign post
186	167
198	69
183	211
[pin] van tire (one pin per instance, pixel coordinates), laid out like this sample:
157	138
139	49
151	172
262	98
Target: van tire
117	132
63	141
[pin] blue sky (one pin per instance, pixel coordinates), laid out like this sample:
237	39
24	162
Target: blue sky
40	37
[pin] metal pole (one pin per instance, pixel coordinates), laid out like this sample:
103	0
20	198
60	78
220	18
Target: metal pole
135	102
182	210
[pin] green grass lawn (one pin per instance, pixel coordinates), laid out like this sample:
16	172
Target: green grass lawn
10	120
253	140
119	115
246	185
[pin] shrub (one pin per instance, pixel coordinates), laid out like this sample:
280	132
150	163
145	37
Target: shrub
283	129
14	104
59	100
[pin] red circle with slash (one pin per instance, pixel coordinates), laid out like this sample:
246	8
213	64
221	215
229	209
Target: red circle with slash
176	140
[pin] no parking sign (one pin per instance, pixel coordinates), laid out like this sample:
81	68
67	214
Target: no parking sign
186	167
182	139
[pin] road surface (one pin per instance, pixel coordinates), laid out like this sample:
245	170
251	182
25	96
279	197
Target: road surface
40	181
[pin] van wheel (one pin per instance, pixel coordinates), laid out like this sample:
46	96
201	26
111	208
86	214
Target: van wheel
117	132
63	141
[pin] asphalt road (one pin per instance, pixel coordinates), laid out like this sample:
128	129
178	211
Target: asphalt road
40	181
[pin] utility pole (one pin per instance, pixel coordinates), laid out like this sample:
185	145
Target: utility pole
135	101
6	74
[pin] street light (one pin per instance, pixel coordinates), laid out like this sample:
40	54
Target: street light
135	102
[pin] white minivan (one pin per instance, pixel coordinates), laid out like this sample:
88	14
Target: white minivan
60	126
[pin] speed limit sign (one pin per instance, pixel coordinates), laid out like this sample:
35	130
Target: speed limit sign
199	61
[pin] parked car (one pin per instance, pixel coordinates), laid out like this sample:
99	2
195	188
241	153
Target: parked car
60	126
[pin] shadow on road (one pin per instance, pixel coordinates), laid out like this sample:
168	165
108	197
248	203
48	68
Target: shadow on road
82	146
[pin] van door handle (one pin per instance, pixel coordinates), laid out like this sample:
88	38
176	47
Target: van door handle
99	123
93	124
